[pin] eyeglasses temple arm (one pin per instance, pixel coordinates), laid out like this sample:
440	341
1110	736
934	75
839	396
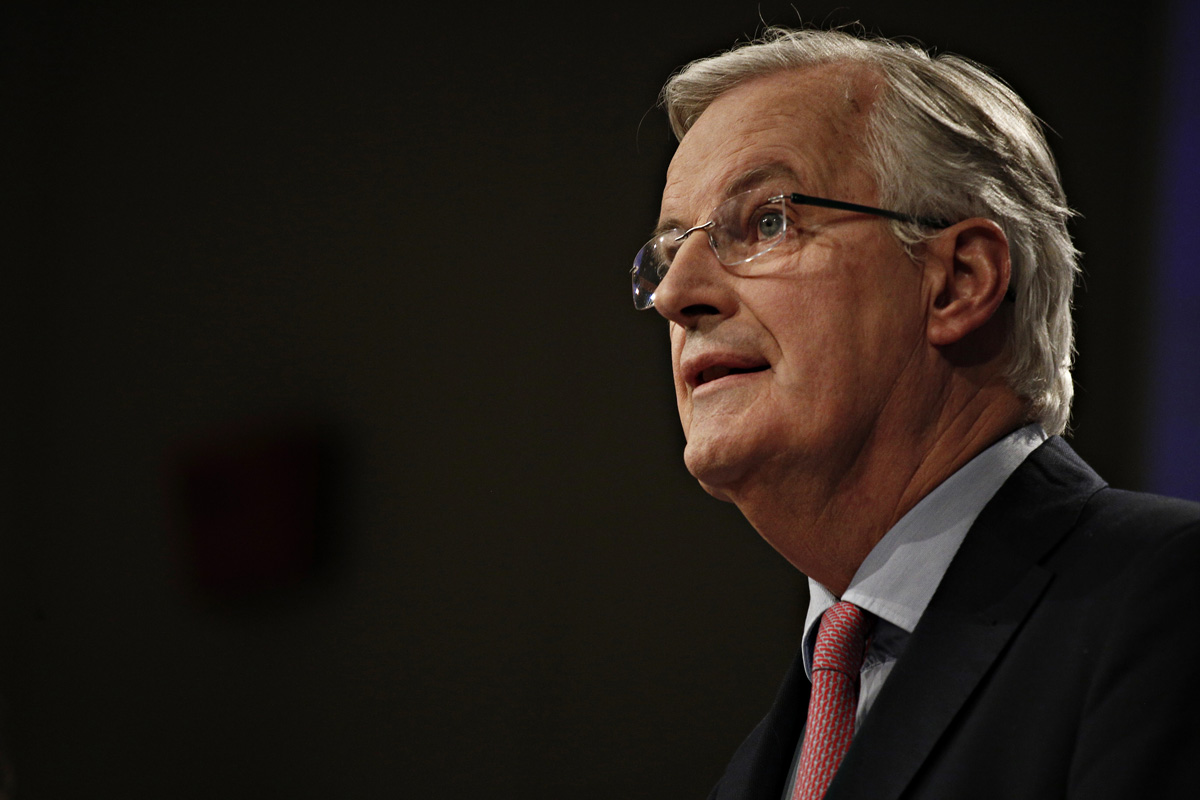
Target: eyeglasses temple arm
803	199
806	200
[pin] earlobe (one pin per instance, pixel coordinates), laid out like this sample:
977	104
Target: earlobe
969	268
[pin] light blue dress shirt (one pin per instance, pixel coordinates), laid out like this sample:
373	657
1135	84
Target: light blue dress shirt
899	576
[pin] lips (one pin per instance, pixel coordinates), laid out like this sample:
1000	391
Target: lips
721	370
715	366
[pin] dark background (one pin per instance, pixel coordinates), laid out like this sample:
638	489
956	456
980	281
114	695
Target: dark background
400	239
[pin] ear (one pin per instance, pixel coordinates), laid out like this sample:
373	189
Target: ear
968	269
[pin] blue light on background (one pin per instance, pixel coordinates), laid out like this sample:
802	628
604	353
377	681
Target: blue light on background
1174	458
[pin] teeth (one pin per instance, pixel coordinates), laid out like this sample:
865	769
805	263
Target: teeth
718	372
713	373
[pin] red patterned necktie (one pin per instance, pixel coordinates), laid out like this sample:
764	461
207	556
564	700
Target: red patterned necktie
837	659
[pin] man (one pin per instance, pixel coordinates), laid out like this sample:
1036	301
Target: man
863	257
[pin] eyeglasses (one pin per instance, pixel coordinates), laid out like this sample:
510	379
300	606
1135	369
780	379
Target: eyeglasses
739	230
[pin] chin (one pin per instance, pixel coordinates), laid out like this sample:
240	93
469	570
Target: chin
713	468
716	492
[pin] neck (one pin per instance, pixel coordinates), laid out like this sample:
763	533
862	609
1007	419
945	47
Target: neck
826	517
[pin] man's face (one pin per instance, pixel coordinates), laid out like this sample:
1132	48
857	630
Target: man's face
823	336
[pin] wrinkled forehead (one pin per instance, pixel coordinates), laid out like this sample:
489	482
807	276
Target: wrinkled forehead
801	126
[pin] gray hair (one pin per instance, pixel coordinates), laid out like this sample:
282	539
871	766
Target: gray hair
945	139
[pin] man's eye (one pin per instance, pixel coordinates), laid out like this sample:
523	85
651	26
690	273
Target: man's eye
770	225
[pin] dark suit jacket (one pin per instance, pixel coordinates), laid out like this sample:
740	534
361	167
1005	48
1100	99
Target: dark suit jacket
1059	657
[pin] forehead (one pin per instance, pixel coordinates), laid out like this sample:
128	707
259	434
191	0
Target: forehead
807	122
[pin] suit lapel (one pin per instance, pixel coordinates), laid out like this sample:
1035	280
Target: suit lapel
760	766
992	584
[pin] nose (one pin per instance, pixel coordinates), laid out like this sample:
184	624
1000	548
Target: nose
696	286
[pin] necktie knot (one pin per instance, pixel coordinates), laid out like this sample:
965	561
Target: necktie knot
842	640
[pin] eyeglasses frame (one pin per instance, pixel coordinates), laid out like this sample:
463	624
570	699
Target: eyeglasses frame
799	199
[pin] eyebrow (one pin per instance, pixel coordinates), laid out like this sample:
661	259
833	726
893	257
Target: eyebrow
753	178
750	179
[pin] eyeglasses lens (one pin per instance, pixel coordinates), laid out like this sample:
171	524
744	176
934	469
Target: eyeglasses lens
743	228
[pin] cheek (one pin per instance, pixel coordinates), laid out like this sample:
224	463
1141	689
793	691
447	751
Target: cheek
821	345
682	400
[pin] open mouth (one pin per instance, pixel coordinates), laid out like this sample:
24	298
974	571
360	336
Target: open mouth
720	371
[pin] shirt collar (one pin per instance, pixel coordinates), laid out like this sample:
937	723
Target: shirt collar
900	574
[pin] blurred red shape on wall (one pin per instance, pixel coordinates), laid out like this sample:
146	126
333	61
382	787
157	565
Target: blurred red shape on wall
246	504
